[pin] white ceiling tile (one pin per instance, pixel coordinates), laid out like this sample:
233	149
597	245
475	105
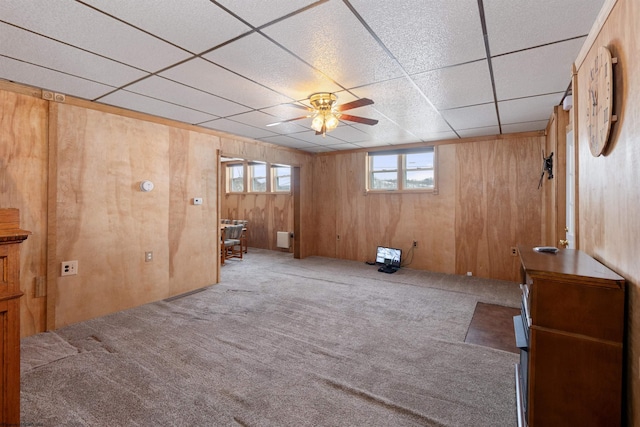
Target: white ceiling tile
483	131
175	93
189	27
32	75
211	78
319	149
439	136
343	146
278	69
229	126
334	52
311	137
372	143
262	12
400	102
287	141
387	133
71	22
525	126
26	46
287	111
457	86
519	24
261	120
424	35
133	101
471	117
350	133
535	71
528	109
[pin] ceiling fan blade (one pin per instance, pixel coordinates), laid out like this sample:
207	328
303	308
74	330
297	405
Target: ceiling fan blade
354	104
357	119
287	121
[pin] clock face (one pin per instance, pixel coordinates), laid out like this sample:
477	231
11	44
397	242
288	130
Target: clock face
599	102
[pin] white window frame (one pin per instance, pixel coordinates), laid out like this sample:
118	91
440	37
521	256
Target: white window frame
275	178
247	177
401	170
230	178
251	177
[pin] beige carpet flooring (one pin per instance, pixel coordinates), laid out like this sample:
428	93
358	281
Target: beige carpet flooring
281	342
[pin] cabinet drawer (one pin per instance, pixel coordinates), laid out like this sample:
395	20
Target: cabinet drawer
594	311
574	381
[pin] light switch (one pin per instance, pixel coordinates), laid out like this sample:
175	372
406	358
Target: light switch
197	200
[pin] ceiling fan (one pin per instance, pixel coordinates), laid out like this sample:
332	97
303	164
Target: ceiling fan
326	115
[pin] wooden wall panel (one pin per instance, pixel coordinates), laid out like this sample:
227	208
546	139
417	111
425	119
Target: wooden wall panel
498	205
271	213
555	189
103	219
350	212
365	221
608	194
73	170
324	206
266	213
193	229
23	185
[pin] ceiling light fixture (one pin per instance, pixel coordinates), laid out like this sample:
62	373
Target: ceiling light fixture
326	115
325	118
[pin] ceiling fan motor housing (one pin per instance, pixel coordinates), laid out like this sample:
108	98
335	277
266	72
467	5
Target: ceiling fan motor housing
322	100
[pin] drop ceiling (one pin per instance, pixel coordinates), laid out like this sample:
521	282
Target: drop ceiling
436	69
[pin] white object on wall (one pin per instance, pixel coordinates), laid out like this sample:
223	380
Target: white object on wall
282	240
146	186
567	103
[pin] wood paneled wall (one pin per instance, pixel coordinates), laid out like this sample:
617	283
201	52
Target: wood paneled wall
498	204
23	185
103	219
266	213
555	189
487	202
609	199
74	171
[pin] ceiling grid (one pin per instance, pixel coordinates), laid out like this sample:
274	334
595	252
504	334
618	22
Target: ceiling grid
435	69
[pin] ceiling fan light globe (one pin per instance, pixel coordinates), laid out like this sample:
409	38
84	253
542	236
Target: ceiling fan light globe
317	122
331	122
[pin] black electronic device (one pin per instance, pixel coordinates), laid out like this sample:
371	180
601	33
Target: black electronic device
389	258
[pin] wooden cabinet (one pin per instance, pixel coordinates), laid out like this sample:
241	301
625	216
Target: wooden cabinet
571	370
10	237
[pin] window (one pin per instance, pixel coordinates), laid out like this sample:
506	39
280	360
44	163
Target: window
384	172
401	170
281	178
248	176
418	170
235	177
258	177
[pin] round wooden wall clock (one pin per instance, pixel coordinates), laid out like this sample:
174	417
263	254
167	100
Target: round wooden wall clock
600	101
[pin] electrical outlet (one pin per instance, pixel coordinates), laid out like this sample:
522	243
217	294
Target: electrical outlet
69	268
514	251
148	256
415	243
469	273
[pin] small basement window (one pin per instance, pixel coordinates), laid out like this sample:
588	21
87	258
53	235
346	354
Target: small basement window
401	170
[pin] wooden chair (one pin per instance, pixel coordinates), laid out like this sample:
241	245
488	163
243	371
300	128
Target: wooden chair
244	239
231	244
